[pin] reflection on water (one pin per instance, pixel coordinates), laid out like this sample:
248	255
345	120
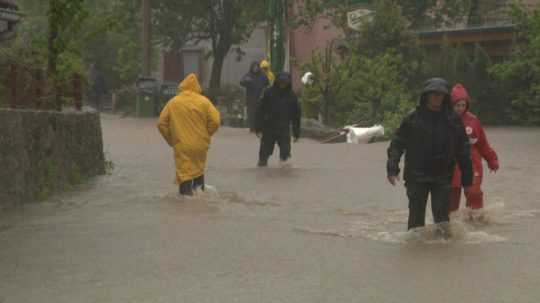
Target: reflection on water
467	226
454	232
327	229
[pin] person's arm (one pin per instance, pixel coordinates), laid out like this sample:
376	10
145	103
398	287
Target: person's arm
164	124
485	149
397	147
464	156
213	119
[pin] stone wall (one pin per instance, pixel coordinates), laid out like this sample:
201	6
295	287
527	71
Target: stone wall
46	152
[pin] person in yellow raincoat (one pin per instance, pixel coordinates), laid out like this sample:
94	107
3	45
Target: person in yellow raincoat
265	66
187	123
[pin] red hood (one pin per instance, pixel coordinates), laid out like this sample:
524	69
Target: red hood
460	93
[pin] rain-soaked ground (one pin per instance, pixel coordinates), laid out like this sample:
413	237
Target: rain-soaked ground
330	229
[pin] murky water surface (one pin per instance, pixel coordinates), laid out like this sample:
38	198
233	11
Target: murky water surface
329	229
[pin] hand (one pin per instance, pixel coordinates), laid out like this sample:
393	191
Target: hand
467	189
393	179
494	167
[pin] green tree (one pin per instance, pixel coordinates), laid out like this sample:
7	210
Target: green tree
418	13
48	36
97	36
65	18
375	80
360	89
223	23
469	66
332	76
378	93
113	44
519	77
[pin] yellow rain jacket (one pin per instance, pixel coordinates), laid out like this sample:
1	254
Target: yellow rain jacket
187	123
269	74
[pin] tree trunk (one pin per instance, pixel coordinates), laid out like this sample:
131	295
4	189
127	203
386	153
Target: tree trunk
221	48
217	69
53	56
326	109
147	38
12	85
474	13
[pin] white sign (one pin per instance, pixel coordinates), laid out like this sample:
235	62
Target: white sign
356	18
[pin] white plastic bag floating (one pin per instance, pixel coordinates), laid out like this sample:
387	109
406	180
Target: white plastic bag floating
357	135
308	78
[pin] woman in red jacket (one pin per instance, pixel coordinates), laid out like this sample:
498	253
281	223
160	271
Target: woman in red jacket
480	148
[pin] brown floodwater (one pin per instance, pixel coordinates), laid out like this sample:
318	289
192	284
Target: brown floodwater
328	229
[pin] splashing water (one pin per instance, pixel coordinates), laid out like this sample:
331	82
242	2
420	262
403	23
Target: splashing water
467	225
286	164
494	213
444	233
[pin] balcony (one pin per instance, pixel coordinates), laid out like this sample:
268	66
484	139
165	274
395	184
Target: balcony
9	17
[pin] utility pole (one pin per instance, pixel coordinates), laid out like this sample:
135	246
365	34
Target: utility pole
147	37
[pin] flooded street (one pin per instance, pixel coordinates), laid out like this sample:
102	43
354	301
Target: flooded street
329	229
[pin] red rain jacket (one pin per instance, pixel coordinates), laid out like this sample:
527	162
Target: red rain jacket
480	147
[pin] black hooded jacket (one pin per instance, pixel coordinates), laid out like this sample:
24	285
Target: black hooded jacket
279	109
255	84
432	142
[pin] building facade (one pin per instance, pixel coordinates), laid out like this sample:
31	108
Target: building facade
9	17
493	30
175	65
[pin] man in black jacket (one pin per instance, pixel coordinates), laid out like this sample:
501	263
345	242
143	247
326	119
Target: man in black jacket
277	111
433	138
255	82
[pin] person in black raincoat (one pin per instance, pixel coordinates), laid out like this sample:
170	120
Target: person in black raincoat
433	139
277	112
255	82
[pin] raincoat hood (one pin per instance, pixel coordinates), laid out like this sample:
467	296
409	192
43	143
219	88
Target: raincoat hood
253	65
190	84
459	92
436	85
284	77
265	64
269	74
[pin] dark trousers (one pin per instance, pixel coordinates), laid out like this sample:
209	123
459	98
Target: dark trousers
269	140
418	193
251	112
187	188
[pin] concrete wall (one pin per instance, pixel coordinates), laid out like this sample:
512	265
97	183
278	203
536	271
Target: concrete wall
234	67
46	152
255	50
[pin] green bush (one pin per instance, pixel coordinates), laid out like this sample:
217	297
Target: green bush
519	77
371	83
332	75
372	93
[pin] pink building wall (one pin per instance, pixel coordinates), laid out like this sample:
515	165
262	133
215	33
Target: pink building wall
531	3
305	41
